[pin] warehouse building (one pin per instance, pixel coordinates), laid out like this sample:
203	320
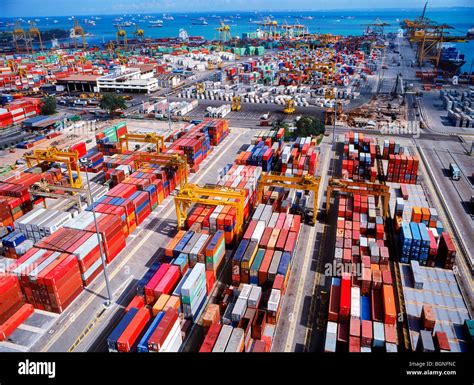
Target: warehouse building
138	80
79	83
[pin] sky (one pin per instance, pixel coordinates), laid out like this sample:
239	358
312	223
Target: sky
27	8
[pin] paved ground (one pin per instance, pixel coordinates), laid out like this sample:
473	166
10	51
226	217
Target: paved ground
457	193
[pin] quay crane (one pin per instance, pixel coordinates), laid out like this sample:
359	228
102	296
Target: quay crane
20	34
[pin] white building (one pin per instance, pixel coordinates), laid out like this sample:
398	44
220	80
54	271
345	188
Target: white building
140	79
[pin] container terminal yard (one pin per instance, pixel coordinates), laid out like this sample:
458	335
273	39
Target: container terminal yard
200	216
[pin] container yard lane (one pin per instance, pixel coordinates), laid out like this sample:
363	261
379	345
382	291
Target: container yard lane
306	272
86	320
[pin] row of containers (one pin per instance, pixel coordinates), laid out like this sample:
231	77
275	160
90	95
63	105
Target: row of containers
364	313
55	254
180	291
360	155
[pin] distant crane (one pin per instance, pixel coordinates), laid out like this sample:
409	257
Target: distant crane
224	32
20	34
139	33
77	30
121	38
32	32
183	34
376	28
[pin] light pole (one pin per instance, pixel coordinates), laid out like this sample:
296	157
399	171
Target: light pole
335	115
108	302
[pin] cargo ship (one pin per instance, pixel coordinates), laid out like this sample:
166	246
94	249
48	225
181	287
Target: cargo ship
451	60
199	21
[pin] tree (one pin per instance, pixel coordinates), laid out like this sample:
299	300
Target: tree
49	106
309	126
112	103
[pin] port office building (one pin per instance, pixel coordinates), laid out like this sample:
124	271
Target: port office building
130	80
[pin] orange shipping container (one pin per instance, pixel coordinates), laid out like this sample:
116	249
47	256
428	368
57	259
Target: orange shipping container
416	214
172	244
389	305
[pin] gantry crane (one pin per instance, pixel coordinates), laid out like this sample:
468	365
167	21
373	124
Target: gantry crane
78	30
290	107
224	32
166	160
236	103
298	29
20	34
32	32
152	138
200	88
376	28
121	38
362	188
139	33
286	29
211	195
304	183
54	155
272	27
45	190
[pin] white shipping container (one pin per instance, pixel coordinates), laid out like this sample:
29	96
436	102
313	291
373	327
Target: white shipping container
255	296
223	339
236	341
258	232
355	301
239	310
258	212
245	293
274	300
198	272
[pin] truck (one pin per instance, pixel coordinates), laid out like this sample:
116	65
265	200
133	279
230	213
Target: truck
454	171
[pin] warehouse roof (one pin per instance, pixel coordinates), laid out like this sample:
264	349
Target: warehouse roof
80	78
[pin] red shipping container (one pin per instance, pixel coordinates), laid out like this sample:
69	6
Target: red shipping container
354	327
158	337
211	338
345	296
366	337
354	344
9	326
133	330
137	302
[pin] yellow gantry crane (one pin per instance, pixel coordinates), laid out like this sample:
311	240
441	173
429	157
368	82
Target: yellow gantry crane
166	160
139	33
121	38
286	29
200	88
376	28
362	188
224	32
78	31
290	107
152	138
236	103
211	195
32	32
304	183
54	155
20	34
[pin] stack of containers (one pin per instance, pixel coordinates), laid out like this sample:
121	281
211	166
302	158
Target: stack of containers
10	210
80	243
40	223
50	280
359	154
193	292
15	244
11	297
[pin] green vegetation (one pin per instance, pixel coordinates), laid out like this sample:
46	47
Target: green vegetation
112	103
305	126
49	106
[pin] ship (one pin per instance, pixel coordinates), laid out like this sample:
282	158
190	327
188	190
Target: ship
470	32
167	17
155	23
451	60
199	21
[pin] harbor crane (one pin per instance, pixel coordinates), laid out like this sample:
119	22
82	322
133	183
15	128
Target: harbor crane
362	188
166	160
211	195
152	138
32	32
305	183
224	32
236	106
55	155
290	107
18	35
376	28
121	38
139	33
77	30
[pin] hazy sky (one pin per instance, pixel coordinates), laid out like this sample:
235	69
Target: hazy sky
12	8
